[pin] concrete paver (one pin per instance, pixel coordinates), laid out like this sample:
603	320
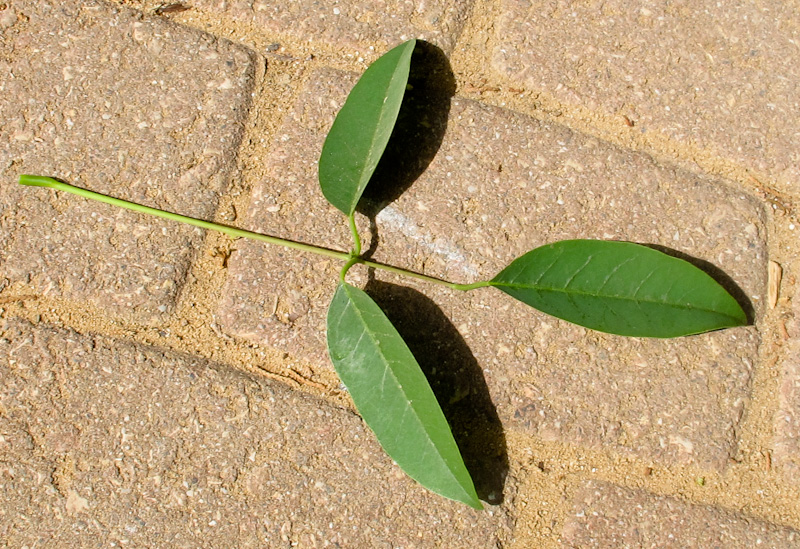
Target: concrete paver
105	440
353	25
502	184
131	106
130	444
607	515
718	76
787	420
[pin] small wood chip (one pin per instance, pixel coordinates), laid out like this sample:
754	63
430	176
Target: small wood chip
775	272
784	332
176	7
767	459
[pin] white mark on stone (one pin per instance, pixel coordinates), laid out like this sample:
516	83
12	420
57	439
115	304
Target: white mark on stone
396	220
76	503
683	442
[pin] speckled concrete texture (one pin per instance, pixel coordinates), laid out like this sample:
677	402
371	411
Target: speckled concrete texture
613	516
787	420
716	76
499	185
135	107
356	26
136	445
166	386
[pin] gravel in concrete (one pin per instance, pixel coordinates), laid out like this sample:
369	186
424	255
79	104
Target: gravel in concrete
500	184
132	445
123	104
718	76
607	515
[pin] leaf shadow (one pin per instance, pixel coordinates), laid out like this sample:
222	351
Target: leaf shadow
418	132
720	276
456	379
453	372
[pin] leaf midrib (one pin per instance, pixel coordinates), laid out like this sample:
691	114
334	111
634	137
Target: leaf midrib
381	117
607	296
402	389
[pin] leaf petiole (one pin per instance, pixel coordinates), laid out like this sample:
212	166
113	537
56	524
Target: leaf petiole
426	278
356	238
350	259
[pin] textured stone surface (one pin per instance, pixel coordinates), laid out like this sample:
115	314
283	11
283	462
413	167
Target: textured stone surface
133	445
787	420
612	516
499	185
361	25
721	76
125	105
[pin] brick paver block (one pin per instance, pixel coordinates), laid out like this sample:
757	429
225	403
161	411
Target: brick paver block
607	515
366	26
722	76
501	184
126	105
787	420
125	443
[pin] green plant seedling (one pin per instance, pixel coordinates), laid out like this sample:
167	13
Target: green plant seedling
615	287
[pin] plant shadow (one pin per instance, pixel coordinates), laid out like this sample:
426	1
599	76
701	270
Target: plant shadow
720	276
456	379
418	133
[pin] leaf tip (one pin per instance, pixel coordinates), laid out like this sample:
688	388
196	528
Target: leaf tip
360	132
475	504
742	318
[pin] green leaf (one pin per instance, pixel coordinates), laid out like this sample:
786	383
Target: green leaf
393	395
620	288
362	128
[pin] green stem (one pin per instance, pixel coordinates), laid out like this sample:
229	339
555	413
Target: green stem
39	181
350	259
356	238
426	278
356	247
